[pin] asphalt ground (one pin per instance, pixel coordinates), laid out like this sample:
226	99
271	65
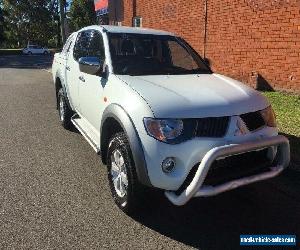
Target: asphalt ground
54	192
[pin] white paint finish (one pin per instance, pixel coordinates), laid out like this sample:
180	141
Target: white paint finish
188	154
71	74
195	188
167	96
88	132
90	93
63	63
188	96
120	93
92	90
126	29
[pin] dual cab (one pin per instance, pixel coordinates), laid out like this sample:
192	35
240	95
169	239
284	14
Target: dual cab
159	117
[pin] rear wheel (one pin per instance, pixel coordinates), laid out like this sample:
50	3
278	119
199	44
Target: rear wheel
125	187
65	113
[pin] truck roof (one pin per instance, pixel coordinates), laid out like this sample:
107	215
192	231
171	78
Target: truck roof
126	29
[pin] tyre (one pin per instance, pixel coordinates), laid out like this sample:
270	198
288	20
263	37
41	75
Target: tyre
124	185
29	53
45	53
65	113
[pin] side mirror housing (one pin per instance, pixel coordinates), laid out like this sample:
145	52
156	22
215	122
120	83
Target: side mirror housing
90	65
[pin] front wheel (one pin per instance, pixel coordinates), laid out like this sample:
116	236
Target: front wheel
124	185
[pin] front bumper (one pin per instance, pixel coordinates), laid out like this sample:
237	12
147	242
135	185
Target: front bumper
196	187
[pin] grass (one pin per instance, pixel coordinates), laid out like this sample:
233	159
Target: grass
287	109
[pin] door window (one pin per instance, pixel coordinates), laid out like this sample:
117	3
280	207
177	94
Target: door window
81	46
96	47
89	43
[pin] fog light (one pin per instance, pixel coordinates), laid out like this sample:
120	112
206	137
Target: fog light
168	164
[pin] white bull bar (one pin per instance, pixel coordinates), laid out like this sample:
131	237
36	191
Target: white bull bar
196	189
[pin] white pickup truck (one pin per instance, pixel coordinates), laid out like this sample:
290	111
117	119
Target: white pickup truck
159	117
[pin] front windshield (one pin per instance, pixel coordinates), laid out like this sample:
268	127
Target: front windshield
142	54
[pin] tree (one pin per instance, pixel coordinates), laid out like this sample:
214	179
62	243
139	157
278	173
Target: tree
82	13
55	8
1	24
28	20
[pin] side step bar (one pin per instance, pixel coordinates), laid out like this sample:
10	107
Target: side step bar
82	128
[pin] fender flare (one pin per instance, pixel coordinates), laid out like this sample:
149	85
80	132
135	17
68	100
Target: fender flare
121	116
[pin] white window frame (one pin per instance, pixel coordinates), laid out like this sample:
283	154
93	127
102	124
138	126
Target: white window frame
137	20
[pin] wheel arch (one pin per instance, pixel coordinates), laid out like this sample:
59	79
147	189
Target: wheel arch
116	119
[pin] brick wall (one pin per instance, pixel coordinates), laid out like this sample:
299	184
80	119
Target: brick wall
256	41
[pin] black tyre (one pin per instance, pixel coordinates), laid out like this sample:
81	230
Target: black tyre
65	113
124	185
29	53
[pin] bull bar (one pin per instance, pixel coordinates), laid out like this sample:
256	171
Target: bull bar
196	187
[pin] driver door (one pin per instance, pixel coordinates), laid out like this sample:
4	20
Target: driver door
91	86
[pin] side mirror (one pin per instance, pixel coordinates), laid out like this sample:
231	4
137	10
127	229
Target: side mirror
90	65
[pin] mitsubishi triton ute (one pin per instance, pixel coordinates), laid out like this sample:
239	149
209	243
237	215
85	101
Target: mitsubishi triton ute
158	116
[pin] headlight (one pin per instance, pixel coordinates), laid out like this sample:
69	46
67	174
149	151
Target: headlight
163	129
269	116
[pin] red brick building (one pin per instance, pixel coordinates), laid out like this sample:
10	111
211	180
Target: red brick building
256	41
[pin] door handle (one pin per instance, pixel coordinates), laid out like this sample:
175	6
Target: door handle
81	78
68	68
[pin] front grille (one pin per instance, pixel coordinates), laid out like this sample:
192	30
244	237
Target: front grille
253	120
212	126
237	166
231	168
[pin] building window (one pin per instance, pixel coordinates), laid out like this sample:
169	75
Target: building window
137	21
